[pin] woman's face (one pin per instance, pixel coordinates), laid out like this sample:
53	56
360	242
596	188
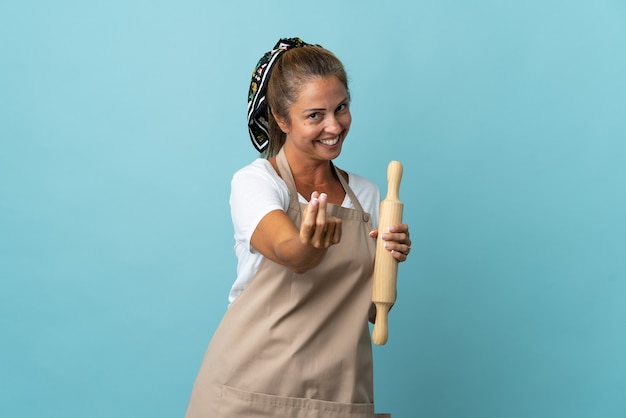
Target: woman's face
319	120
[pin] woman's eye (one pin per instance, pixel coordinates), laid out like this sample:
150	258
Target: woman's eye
314	115
342	107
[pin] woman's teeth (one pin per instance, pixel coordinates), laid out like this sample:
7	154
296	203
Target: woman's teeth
330	141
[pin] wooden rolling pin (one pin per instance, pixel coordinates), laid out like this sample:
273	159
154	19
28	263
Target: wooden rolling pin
385	266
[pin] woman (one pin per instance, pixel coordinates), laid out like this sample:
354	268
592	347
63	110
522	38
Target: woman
294	341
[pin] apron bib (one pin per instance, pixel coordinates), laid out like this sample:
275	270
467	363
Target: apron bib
297	345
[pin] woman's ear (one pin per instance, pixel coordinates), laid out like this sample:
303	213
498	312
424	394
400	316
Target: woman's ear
282	123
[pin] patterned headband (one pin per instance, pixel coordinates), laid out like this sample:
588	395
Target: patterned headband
257	107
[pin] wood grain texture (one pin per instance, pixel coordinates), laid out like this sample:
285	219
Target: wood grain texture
385	266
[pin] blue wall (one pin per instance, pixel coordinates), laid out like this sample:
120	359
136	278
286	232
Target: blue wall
121	123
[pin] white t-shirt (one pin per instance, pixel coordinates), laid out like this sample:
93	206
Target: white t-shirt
256	190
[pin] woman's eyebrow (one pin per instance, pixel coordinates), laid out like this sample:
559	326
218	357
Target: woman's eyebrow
322	108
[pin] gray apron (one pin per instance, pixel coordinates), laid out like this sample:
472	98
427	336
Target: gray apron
297	345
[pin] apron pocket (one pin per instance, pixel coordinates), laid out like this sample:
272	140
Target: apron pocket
239	403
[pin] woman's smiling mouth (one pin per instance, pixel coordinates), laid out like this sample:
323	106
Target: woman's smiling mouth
333	141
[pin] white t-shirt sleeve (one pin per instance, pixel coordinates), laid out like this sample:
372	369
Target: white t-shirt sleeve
368	194
256	190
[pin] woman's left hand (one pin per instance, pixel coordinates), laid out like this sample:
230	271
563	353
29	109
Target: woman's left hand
397	240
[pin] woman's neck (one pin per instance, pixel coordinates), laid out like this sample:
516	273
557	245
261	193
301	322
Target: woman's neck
314	176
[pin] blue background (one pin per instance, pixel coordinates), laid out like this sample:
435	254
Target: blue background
121	123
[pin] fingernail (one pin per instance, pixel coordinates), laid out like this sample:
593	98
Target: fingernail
323	196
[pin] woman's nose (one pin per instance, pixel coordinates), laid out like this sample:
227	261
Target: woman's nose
333	126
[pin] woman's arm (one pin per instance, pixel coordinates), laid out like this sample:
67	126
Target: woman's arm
277	238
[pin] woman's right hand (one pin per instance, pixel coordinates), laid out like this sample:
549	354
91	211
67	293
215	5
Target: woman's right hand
318	229
277	238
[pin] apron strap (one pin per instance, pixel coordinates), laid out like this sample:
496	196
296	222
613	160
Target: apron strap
287	176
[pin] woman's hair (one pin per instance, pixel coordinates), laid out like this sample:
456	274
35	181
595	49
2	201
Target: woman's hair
295	68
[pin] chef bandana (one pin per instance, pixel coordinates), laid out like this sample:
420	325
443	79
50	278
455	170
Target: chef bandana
257	107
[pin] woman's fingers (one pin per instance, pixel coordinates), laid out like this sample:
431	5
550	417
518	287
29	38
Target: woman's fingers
307	227
318	229
397	240
320	222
